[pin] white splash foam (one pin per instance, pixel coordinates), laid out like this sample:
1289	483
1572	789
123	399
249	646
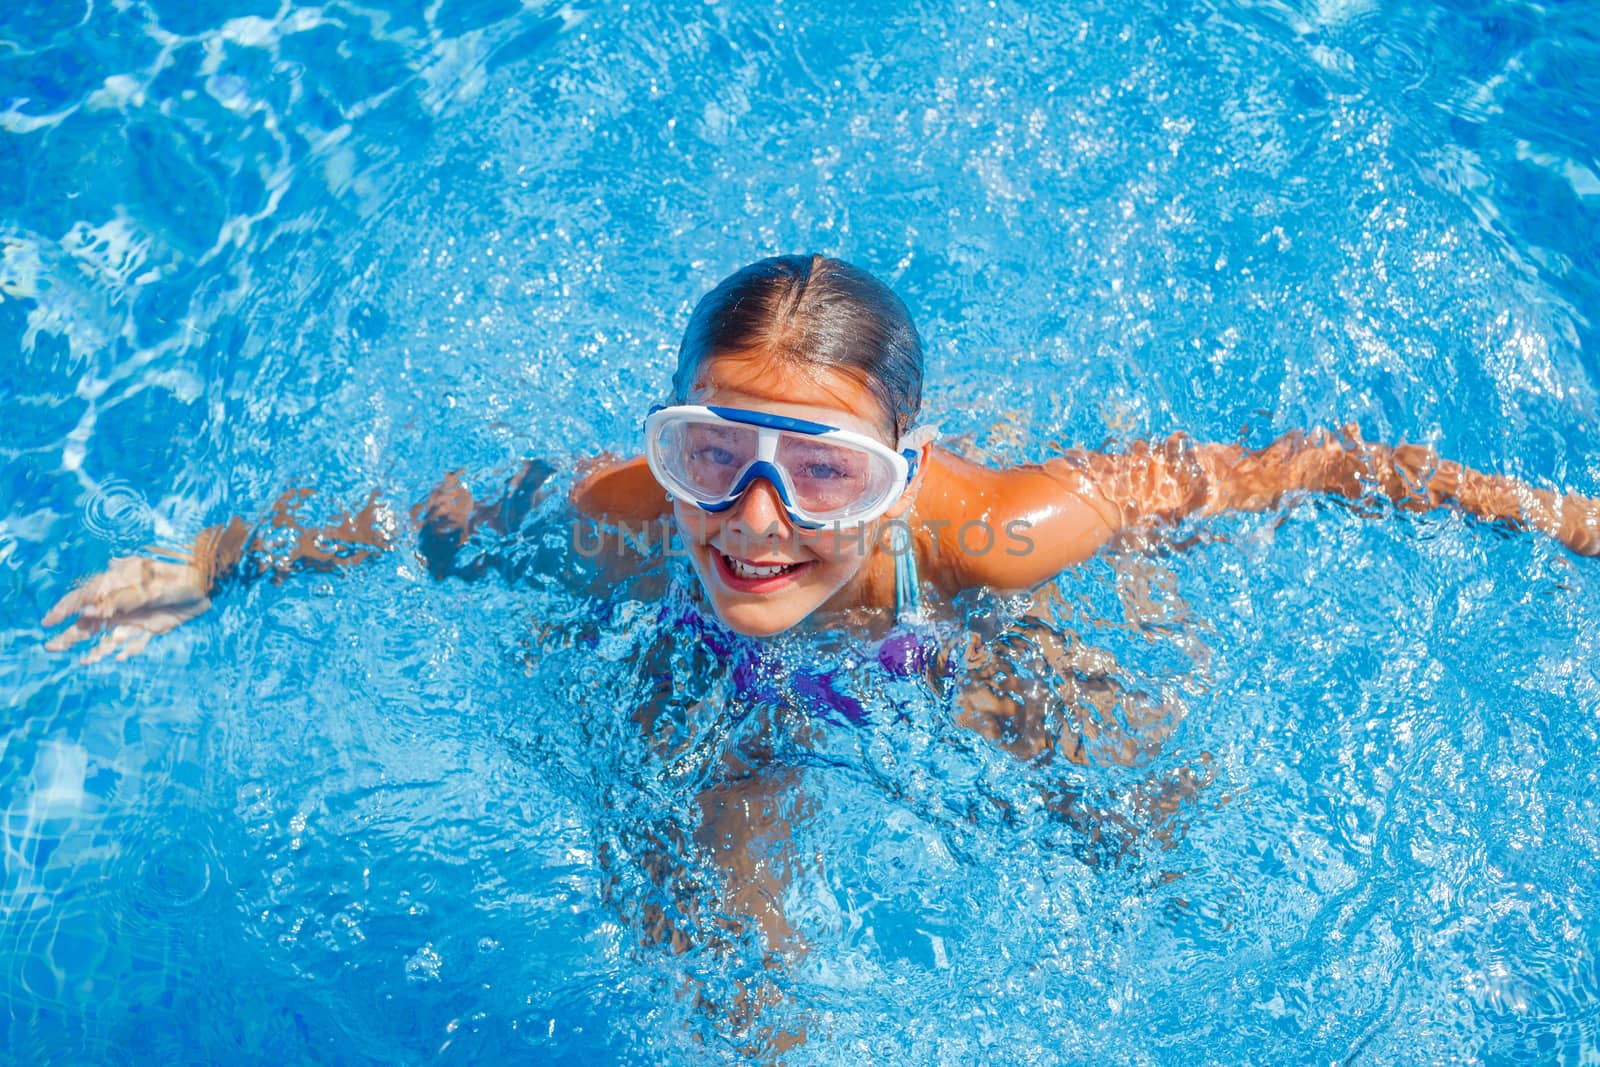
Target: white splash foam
14	121
120	91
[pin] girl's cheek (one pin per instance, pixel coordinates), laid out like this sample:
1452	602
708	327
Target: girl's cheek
851	544
694	525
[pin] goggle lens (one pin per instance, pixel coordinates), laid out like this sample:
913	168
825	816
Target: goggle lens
829	478
708	456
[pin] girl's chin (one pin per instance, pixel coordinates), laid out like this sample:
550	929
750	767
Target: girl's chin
765	605
740	623
751	607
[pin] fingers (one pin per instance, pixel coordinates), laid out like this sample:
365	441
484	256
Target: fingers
72	635
66	606
117	635
129	638
130	585
74	602
127	635
135	646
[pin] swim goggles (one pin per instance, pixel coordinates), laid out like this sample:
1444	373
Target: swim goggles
708	456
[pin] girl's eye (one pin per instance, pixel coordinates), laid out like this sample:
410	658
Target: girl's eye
712	454
822	472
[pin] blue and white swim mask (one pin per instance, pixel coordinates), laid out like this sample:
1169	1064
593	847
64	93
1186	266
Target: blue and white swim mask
709	456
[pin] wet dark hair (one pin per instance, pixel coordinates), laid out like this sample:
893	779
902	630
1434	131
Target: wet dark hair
810	310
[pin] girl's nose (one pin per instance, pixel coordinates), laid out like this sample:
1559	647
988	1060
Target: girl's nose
760	512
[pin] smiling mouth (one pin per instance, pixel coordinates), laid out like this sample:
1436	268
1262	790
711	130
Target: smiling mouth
757	571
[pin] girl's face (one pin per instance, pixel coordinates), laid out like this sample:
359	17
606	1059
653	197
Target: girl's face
762	573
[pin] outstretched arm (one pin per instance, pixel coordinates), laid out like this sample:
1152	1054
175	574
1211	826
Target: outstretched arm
450	516
1413	477
1418	479
139	597
1073	505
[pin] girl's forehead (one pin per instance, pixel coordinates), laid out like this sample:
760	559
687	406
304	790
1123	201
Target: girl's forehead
820	394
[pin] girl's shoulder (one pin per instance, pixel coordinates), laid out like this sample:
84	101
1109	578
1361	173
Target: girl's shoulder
1007	528
621	490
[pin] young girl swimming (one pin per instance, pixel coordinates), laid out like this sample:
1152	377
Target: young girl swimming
803	492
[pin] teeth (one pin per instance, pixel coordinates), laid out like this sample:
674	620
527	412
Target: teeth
751	570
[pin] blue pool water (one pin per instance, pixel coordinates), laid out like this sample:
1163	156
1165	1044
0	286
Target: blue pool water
372	818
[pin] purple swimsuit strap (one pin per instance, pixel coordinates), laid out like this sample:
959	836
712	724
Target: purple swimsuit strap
758	675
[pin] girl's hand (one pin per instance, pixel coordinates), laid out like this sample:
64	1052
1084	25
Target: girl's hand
1580	524
1430	481
134	600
